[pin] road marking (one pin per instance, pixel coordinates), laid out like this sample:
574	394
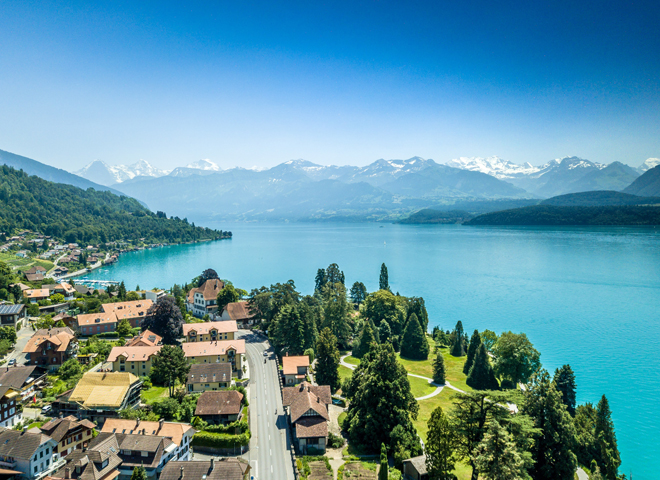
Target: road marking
271	452
271	469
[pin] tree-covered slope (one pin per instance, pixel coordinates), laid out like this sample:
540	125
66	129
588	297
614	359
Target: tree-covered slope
600	198
85	216
648	184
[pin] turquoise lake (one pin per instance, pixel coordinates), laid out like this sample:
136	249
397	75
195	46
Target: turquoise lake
588	297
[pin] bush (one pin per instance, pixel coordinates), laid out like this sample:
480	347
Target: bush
220	440
229	429
167	408
335	441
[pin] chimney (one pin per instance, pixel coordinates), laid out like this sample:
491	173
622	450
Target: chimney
138	423
181	472
144	431
212	464
61	414
67	473
160	424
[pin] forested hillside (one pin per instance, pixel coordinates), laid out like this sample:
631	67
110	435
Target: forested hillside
86	216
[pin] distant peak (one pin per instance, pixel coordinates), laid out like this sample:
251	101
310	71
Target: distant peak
204	164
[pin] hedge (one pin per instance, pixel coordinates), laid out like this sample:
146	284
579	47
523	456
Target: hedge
220	440
229	429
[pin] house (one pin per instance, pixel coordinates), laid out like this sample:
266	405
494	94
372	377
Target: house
213	469
84	290
145	339
67	319
34	277
415	468
37	269
238	312
10	414
308	413
136	360
204	300
95	323
294	368
221	351
100	395
12	316
219	408
70	433
63	288
59	271
36	294
205	377
98	463
152	295
209	331
134	311
22	253
51	347
32	454
180	433
23	379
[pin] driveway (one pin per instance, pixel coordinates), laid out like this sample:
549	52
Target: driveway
24	334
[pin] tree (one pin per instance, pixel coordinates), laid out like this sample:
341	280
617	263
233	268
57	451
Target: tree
475	341
607	449
169	365
380	399
489	338
327	360
440	447
552	449
384	280
70	369
287	331
8	333
384	331
497	456
121	292
132	296
439	368
358	293
208	274
382	471
516	359
458	343
164	319
319	280
124	328
364	343
481	376
57	298
334	275
336	312
227	295
384	305
584	421
414	344
139	473
417	306
565	383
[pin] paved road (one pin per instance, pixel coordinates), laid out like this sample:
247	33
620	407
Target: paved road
23	335
270	445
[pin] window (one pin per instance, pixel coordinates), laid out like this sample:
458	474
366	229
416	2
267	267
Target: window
35	469
41	454
47	451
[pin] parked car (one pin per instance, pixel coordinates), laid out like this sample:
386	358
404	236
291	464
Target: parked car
45	410
12	362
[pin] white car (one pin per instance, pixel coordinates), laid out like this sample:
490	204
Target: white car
46	409
266	353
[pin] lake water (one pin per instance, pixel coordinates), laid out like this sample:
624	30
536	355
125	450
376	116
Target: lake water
586	297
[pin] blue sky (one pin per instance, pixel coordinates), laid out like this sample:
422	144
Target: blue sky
258	83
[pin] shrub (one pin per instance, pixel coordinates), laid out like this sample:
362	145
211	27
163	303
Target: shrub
220	440
229	428
335	441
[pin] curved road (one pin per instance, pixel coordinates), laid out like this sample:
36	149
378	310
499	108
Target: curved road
270	445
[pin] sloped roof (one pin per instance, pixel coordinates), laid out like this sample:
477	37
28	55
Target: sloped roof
90	461
34	277
311	427
11	309
226	402
203	328
16	377
146	338
133	354
217	347
290	364
57	428
305	397
223	469
132	309
103	389
209	290
20	444
100	318
238	311
171	430
36	292
419	463
209	372
58	336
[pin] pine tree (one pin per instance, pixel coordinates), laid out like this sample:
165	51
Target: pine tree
121	293
475	341
608	451
364	342
439	368
441	444
139	473
481	376
383	281
384	332
327	360
382	471
497	456
565	383
458	347
414	344
319	281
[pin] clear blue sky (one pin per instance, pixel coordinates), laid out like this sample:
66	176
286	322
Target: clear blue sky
258	83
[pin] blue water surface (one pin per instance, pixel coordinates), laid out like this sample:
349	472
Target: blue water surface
588	297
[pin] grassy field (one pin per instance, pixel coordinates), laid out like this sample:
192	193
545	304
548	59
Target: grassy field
344	372
352	360
154	394
23	264
420	387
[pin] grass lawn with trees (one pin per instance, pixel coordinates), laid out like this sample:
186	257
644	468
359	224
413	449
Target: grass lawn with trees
352	360
154	394
344	372
420	387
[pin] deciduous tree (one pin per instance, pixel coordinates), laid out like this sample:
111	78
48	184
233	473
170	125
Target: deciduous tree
124	328
165	319
169	365
516	359
208	274
139	473
227	295
358	293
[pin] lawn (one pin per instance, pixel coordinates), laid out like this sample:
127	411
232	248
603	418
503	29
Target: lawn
344	372
352	360
24	263
154	394
453	368
420	387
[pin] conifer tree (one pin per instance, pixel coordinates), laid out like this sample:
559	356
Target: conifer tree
458	347
320	280
327	360
475	341
441	444
364	342
565	383
121	293
439	368
382	471
139	473
384	332
414	344
608	451
358	293
481	376
383	281
497	456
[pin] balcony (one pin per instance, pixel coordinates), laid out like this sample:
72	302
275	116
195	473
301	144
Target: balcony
8	463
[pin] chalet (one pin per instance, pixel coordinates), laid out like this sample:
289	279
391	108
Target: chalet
95	323
145	339
37	269
134	311
415	468
10	414
205	377
238	312
24	379
204	300
51	347
100	462
12	316
224	351
308	413
36	294
294	369
136	360
70	433
219	408
34	277
32	454
209	331
63	288
213	469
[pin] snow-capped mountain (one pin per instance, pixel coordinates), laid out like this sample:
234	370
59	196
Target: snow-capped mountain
204	164
494	166
100	172
648	164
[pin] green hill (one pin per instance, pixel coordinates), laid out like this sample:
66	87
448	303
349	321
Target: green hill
647	184
429	215
86	216
600	198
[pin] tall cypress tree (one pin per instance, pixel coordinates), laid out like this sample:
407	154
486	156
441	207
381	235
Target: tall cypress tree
384	280
608	450
382	472
565	383
414	344
439	368
475	341
481	375
367	337
458	347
